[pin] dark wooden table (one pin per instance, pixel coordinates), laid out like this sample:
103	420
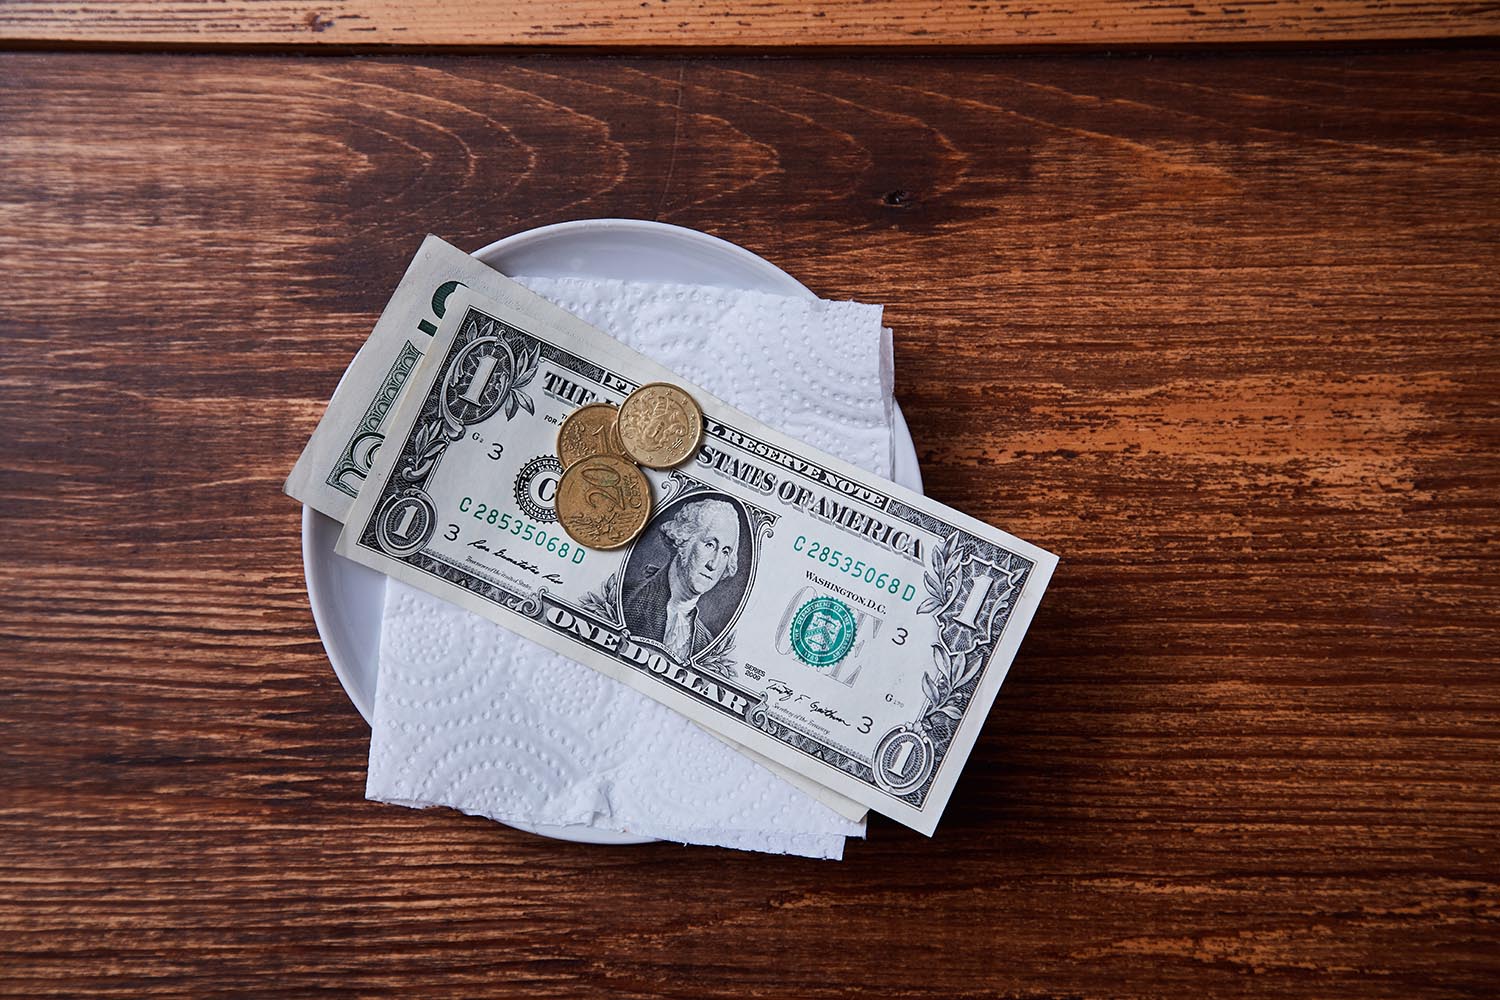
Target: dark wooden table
1220	329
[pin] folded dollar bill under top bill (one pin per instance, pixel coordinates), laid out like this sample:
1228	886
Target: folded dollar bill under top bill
841	626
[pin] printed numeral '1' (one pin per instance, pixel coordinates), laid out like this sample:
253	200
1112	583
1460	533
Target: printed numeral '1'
403	530
480	380
975	600
903	753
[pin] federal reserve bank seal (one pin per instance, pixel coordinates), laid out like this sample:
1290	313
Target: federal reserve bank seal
822	632
536	488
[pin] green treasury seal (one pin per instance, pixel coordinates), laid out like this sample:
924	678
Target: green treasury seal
822	632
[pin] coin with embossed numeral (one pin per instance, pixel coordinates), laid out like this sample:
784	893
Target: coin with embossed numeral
603	501
660	425
589	430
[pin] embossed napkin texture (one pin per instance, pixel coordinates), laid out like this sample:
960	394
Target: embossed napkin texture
471	716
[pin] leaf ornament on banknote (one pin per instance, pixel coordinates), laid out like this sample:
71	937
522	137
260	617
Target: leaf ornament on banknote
487	375
967	593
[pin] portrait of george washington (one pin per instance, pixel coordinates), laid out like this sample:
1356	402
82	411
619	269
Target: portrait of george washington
686	577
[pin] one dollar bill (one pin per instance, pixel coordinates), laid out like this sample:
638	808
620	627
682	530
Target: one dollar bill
839	625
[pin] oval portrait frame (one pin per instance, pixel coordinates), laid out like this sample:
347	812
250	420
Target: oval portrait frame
753	524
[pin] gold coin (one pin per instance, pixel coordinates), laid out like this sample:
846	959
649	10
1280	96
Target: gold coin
660	425
589	430
603	501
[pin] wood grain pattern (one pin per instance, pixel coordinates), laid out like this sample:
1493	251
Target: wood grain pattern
720	24
1221	332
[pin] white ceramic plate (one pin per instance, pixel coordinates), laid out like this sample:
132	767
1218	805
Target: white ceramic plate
347	598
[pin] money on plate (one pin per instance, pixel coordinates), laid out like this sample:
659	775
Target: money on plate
848	633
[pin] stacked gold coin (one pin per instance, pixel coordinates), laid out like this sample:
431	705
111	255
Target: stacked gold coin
604	499
660	425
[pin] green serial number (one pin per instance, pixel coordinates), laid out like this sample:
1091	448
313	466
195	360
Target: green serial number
548	541
836	560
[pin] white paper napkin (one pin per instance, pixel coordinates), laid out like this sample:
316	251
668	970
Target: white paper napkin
471	716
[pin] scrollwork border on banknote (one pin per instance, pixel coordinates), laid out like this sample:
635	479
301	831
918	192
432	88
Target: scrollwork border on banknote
369	425
971	585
